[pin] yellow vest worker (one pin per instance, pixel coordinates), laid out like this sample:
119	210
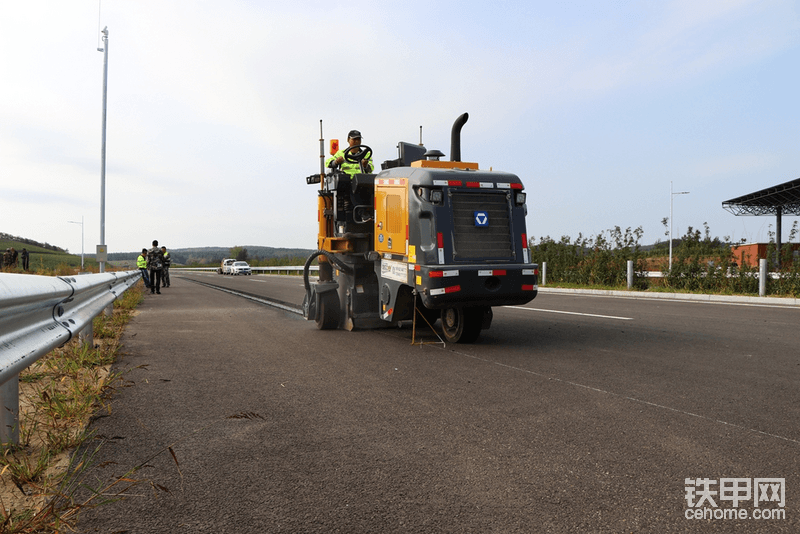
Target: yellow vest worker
365	166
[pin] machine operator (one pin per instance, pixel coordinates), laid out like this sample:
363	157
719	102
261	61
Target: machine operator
365	166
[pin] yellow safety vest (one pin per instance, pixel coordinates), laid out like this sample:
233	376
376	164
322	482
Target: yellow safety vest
350	168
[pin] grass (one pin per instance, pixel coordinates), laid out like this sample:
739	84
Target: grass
59	395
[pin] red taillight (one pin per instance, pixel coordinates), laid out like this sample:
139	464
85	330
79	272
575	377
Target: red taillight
524	240
454	183
473	184
517	186
528	287
435	274
499	272
452	289
439	240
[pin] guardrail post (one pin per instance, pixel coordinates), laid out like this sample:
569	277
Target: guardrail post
630	274
762	277
9	412
544	273
86	336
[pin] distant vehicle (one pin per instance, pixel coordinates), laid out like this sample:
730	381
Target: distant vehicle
240	267
225	266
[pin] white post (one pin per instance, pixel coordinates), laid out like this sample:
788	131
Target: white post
762	277
544	273
630	274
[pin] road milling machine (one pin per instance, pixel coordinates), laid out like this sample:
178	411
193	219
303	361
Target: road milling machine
442	239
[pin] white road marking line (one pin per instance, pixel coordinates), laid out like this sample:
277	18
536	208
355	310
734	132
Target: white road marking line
571	313
632	399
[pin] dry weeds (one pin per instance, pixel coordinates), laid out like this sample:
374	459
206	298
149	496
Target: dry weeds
59	395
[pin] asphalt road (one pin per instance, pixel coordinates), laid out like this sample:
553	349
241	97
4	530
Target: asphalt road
571	414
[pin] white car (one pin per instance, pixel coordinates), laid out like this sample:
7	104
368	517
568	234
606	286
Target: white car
240	267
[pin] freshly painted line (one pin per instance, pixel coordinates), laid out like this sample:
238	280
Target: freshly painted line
572	313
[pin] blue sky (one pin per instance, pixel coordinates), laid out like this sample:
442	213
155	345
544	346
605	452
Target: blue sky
214	110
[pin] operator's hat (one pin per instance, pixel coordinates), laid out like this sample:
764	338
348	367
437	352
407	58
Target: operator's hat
353	134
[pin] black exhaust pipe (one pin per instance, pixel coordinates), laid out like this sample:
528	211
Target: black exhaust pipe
455	137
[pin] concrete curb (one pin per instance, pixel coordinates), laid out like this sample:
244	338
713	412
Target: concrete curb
728	299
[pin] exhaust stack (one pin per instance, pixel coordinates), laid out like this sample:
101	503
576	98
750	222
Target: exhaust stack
455	137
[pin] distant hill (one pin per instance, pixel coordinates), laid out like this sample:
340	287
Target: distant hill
8	241
214	255
44	257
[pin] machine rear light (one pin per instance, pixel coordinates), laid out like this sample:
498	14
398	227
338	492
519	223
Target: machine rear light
473	184
528	287
454	183
435	274
520	198
439	240
517	186
437	196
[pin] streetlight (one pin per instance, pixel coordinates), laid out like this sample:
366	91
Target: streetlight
671	196
81	223
103	152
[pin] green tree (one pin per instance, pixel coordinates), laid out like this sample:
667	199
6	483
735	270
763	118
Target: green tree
239	253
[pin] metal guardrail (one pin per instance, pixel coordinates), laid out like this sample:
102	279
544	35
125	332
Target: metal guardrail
762	275
40	313
279	269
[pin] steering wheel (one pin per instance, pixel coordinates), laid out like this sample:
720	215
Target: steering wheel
363	152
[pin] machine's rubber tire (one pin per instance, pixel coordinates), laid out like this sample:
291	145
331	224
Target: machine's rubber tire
462	325
328	311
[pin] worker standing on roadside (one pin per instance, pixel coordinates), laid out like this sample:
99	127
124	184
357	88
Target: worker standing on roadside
141	263
155	262
364	166
167	263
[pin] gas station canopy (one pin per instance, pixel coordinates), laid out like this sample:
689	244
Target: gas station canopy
783	199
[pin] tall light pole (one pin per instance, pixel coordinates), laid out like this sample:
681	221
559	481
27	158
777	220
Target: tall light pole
103	150
81	223
671	196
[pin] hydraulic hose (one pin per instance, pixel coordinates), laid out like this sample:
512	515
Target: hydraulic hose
331	258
